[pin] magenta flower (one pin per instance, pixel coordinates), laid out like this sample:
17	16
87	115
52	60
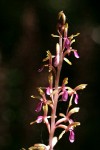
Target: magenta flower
73	92
69	128
39	106
68	40
43	103
76	98
64	94
67	43
42	119
66	117
67	52
43	100
76	54
39	119
72	136
48	90
75	95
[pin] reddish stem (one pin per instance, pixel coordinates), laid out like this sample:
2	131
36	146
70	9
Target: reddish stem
53	113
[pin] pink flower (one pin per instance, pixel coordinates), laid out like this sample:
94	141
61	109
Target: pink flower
48	90
69	128
76	98
45	120
72	136
39	106
72	93
65	95
76	54
67	43
39	119
42	119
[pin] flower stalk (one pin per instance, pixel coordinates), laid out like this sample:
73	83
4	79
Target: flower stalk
57	92
53	114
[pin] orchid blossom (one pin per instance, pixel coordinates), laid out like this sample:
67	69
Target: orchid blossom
54	92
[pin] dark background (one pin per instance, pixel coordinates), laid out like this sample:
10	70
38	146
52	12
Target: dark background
25	28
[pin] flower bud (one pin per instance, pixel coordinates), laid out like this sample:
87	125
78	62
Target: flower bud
57	57
66	30
62	16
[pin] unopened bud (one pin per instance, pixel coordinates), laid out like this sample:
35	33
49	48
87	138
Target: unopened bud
50	78
66	30
65	81
62	16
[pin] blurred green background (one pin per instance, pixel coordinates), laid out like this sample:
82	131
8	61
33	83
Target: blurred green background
25	28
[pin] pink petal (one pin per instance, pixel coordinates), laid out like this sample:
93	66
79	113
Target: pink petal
76	99
72	136
48	91
76	54
39	119
66	43
38	107
65	96
70	121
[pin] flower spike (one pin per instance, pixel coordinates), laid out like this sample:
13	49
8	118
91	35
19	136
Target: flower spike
58	92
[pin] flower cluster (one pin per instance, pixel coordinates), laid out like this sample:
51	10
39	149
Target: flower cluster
51	95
